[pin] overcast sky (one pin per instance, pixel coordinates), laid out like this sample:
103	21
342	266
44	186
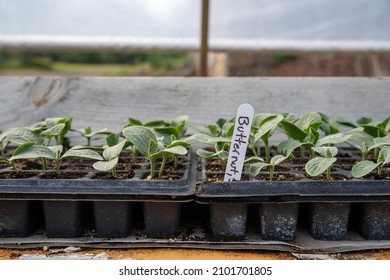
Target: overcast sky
260	19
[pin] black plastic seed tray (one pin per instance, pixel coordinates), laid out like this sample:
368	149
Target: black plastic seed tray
88	187
301	189
279	203
63	203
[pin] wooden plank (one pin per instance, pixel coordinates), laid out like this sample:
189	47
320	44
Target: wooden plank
108	102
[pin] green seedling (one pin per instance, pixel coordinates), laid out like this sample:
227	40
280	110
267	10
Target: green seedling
255	168
221	146
360	140
263	127
214	130
175	129
303	129
377	129
88	134
327	126
287	147
322	163
363	168
56	128
148	145
111	157
33	150
18	136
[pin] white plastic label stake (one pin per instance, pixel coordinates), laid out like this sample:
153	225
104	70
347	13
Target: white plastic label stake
239	143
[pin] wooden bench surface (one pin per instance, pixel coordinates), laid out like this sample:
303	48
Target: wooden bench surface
108	102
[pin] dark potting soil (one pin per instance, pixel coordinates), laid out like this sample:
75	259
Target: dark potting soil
20	175
62	175
165	176
333	177
32	164
119	175
374	175
279	177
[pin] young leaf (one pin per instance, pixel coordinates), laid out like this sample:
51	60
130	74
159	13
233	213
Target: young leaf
312	119
133	121
327	152
206	139
277	159
255	168
267	125
57	149
106	166
141	138
382	140
384	155
293	131
112	152
112	139
253	159
32	150
54	131
176	150
178	143
363	168
82	153
20	135
286	147
359	135
318	165
223	154
205	154
364	120
333	139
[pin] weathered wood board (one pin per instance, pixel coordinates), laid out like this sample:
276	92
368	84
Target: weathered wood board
108	102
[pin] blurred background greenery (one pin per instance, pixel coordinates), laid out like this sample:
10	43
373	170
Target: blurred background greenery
96	63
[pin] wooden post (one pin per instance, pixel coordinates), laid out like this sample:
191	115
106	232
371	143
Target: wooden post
204	38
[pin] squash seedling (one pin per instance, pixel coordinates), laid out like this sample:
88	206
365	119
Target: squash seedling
219	136
259	164
214	130
148	145
18	136
88	134
263	127
322	163
32	150
111	158
363	168
318	165
220	145
303	129
56	128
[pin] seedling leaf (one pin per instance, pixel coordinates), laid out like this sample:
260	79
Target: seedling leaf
114	151
327	152
286	147
333	139
106	166
255	168
141	138
32	150
82	153
277	159
363	168
293	131
318	165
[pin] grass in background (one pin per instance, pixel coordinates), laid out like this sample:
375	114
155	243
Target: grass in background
95	63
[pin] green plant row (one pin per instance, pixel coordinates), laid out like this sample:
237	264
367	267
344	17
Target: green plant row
312	133
313	137
48	140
